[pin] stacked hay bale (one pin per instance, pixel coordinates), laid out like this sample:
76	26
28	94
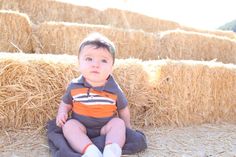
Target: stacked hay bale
191	92
149	92
127	20
15	32
163	92
60	38
222	33
179	44
38	12
155	90
9	5
31	86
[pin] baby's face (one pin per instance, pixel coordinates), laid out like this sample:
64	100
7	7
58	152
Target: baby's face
95	65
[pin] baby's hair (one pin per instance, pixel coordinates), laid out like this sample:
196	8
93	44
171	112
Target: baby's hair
99	41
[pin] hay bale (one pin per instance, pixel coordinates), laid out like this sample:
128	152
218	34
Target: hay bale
191	92
179	44
127	19
9	5
38	11
60	38
225	33
164	92
132	77
62	11
32	86
15	32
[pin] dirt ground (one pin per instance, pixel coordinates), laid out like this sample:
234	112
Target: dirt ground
207	140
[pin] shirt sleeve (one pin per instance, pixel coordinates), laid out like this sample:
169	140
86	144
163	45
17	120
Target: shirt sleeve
122	101
67	98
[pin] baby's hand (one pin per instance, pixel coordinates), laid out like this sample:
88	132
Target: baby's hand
61	118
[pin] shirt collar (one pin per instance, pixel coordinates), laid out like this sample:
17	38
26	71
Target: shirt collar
109	86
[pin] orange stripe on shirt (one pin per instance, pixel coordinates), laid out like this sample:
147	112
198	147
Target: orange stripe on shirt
96	111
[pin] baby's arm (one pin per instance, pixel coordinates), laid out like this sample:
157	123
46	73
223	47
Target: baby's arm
125	115
62	114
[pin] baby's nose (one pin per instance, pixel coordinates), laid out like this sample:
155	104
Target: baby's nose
95	63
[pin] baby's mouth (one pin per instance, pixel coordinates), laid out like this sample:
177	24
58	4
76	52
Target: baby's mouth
95	72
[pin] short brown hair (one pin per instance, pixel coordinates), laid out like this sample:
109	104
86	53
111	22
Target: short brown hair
99	41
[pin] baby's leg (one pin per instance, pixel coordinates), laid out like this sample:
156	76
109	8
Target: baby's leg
75	134
115	137
114	131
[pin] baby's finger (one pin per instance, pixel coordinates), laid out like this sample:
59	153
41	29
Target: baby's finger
64	119
59	123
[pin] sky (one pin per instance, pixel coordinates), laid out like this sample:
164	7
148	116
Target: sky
203	14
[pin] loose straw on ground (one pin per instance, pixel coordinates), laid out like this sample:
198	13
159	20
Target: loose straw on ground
195	141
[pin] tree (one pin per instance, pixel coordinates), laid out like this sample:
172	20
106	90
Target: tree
229	26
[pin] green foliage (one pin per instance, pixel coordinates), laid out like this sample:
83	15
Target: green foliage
229	26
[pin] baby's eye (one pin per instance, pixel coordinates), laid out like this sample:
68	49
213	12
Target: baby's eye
104	60
88	59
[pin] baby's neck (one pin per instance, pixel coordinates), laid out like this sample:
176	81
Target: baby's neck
96	84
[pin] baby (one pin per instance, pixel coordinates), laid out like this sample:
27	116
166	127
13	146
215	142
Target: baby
98	105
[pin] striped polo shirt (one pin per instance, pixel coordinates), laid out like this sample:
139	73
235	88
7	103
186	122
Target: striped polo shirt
94	106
